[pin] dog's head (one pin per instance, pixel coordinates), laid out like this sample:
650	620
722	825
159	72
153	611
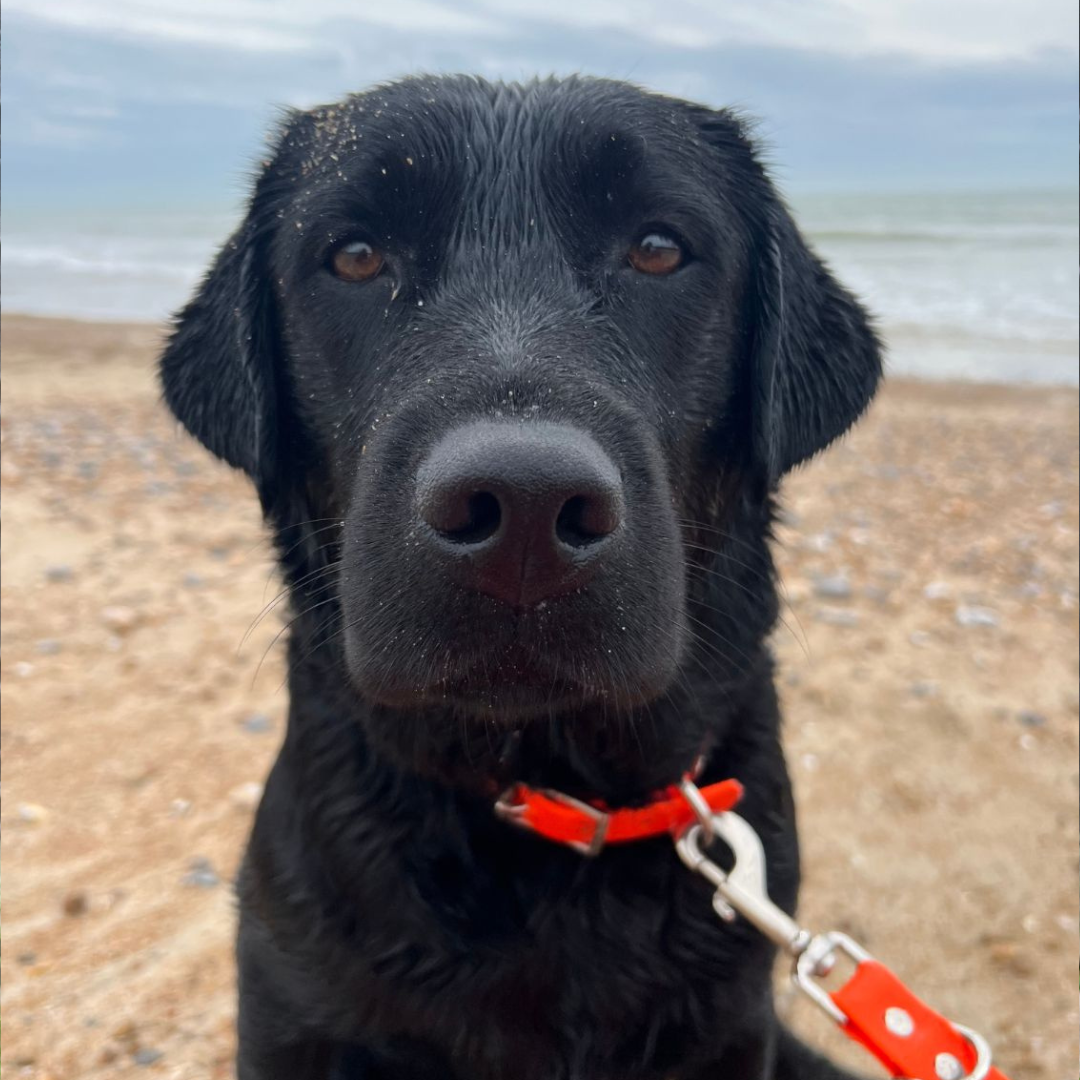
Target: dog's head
528	350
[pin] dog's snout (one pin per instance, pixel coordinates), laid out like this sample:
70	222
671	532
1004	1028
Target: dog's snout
522	512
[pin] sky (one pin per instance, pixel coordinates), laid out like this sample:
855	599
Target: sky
147	103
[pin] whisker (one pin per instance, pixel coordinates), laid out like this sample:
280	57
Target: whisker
723	534
334	524
800	638
703	526
286	592
288	626
716	633
756	571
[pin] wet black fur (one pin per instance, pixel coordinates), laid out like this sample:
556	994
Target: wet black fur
390	925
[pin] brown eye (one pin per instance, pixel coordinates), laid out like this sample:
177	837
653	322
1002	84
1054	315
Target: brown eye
356	261
656	253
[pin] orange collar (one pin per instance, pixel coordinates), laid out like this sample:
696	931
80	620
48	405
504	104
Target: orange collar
587	827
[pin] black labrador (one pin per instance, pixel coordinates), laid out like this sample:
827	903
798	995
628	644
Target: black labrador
516	371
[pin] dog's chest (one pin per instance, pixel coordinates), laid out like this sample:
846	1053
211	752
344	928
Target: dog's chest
620	970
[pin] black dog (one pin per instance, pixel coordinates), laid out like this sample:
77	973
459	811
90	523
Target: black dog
516	371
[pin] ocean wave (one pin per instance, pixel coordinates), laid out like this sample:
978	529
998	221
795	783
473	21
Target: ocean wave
50	258
890	232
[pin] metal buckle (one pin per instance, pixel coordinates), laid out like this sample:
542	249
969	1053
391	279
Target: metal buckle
513	813
817	959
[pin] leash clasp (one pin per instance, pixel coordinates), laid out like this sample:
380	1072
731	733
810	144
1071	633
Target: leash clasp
872	1006
742	889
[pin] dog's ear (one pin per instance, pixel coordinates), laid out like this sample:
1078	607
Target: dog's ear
219	369
814	358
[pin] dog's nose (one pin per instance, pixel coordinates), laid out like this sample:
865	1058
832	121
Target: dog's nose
522	512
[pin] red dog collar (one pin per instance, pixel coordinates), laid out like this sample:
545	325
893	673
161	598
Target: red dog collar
587	827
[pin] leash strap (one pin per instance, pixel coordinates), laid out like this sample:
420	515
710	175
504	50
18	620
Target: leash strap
903	1033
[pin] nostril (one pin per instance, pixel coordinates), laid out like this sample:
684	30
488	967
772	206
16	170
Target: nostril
478	519
585	520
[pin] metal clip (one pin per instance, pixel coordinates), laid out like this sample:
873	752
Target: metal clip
743	889
702	810
817	959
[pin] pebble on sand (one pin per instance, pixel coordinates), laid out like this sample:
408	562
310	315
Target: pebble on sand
76	904
837	616
120	619
257	723
924	689
32	813
246	796
833	587
201	874
968	615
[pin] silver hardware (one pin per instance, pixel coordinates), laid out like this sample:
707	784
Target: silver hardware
983	1058
509	811
514	814
899	1022
820	956
702	811
742	889
817	959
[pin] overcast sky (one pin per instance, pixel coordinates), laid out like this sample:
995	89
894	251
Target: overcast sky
165	101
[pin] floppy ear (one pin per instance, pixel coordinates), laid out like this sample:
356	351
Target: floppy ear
219	369
816	359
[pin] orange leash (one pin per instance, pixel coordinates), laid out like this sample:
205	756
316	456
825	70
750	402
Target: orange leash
903	1033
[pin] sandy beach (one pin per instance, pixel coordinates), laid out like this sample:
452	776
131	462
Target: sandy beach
928	665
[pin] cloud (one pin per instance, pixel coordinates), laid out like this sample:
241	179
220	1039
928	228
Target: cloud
175	95
42	130
962	30
246	25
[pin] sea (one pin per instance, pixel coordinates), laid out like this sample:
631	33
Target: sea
976	286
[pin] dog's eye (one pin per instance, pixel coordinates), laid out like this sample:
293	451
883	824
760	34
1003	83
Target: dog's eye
656	253
356	261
